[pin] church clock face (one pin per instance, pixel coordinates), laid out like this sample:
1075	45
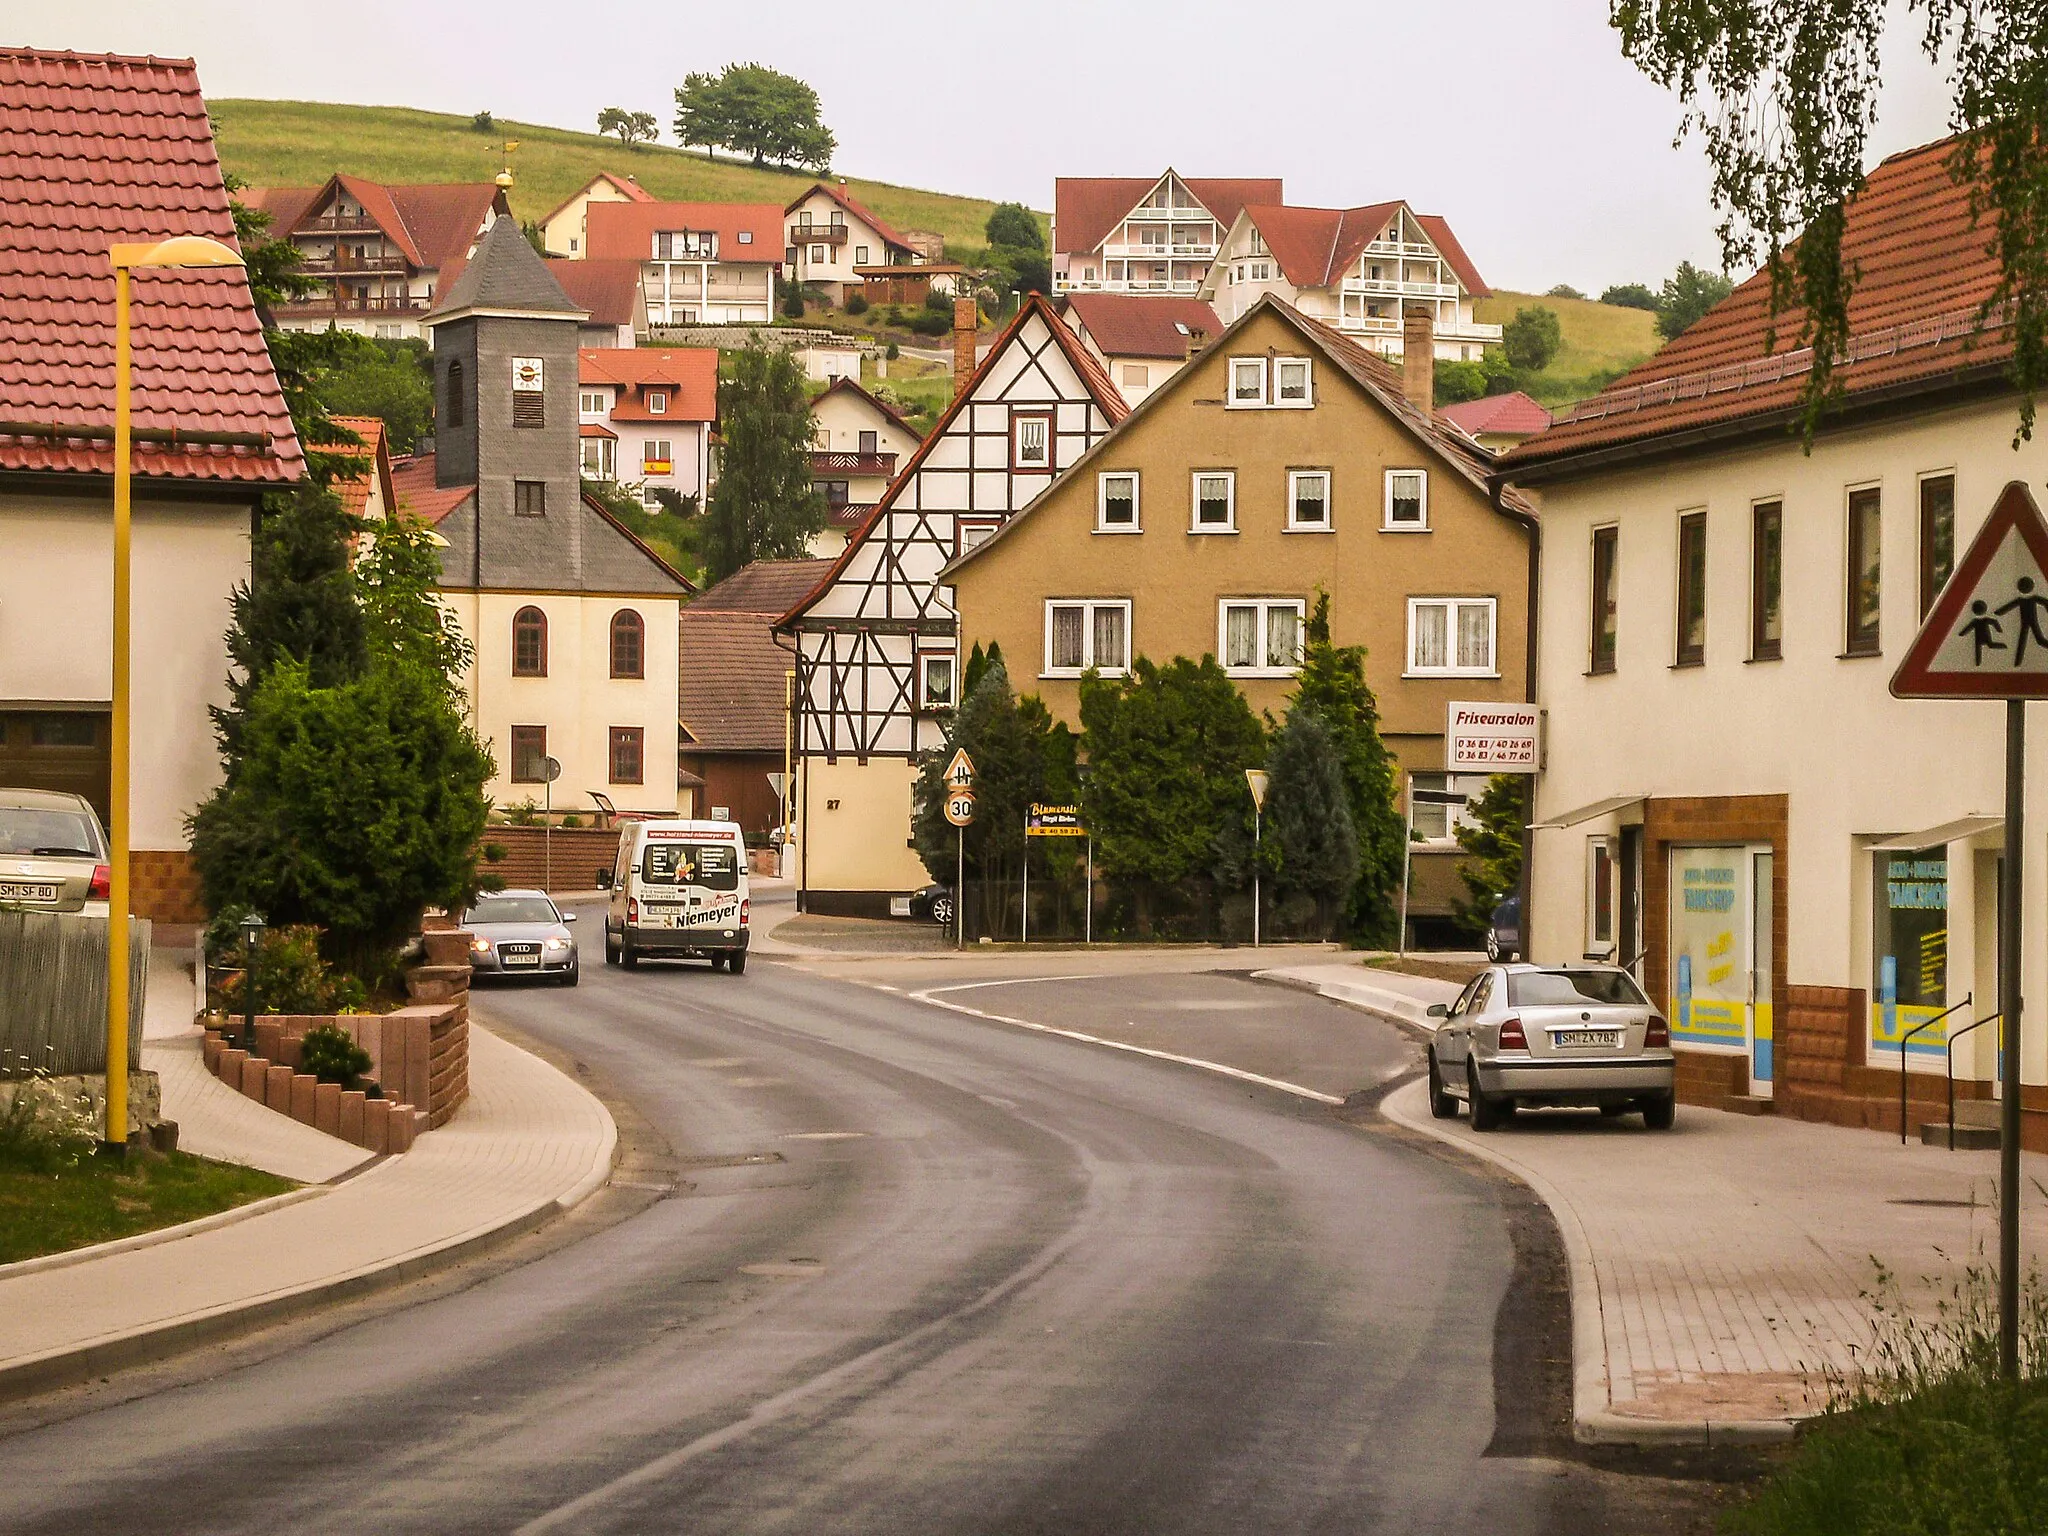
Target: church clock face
526	374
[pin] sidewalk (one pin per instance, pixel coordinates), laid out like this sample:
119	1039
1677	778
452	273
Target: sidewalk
529	1143
1719	1270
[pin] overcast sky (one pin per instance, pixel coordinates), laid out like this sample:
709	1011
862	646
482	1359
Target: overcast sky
1516	119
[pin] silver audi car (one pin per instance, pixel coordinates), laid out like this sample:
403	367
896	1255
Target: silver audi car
1529	1036
522	933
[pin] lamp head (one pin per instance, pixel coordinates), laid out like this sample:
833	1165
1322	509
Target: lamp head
177	251
252	929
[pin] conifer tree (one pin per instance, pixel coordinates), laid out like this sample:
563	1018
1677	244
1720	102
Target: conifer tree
1309	837
764	506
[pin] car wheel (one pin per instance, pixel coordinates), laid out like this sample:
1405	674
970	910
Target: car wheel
611	950
1493	948
736	962
1441	1104
569	977
1487	1113
942	911
1660	1112
627	958
717	960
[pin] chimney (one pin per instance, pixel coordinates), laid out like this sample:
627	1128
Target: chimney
966	316
1197	340
1418	358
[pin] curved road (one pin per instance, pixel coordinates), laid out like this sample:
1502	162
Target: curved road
925	1274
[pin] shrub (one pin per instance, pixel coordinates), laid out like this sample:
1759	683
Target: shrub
288	974
892	351
332	1055
1629	296
523	813
1459	381
856	303
931	322
45	1129
483	123
572	820
494	853
793	306
1532	338
938	303
1563	291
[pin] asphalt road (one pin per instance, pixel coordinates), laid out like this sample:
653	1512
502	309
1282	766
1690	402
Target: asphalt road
926	1273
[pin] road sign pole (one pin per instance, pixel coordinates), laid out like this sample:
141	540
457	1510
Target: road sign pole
1258	843
1027	878
960	896
1088	910
2009	1026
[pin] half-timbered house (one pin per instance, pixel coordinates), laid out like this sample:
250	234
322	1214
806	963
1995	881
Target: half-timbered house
877	654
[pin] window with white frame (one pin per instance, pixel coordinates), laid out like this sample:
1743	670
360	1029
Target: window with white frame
972	532
1407	508
860	255
599	458
657	402
937	678
1214	497
1080	634
1308	501
1291	385
746	237
1450	637
1260	636
590	402
1031	441
1247	382
1116	501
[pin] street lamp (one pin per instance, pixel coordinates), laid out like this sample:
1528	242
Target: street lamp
1258	779
252	935
178	251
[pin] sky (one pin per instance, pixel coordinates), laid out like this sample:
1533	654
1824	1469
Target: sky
1518	120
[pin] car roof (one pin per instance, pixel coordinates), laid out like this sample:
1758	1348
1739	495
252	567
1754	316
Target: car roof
43	800
1524	966
512	891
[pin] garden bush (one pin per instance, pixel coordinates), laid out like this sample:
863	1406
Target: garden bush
290	974
44	1129
331	1054
856	303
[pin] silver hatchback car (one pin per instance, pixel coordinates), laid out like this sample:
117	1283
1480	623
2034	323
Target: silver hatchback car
53	854
1533	1035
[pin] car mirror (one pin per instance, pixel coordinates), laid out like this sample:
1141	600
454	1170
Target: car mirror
604	879
1437	1011
568	917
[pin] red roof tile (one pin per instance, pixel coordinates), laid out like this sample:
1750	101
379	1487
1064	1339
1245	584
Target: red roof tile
610	290
1508	414
1439	231
412	480
840	196
625	231
766	587
96	149
433	224
1087	208
355	490
690	374
1140	325
731	681
1315	246
1912	323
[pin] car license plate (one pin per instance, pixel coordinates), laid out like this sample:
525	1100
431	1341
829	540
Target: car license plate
511	960
18	890
1587	1037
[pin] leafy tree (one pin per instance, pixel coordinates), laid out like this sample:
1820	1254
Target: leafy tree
392	381
675	533
1015	227
1021	269
483	122
631	127
1455	382
1688	294
1785	97
1491	833
1563	291
1532	338
1500	373
764	506
979	661
1167	748
403	621
1332	685
1308	831
756	111
1629	296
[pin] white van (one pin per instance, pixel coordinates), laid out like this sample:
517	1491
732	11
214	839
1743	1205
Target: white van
679	891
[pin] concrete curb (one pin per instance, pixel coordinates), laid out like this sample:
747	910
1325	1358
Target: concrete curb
150	1239
1594	1421
1384	1001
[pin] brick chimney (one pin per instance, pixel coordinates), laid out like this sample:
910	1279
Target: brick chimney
966	316
1418	358
1197	340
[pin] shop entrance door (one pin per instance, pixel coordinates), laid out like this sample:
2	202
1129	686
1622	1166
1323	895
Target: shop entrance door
1720	929
1762	864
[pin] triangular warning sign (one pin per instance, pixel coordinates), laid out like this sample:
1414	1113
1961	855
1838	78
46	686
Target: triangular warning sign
1986	637
960	771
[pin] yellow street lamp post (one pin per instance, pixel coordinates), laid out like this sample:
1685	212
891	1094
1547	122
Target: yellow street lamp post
178	251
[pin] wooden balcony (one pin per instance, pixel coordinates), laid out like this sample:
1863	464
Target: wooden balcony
883	464
817	234
353	304
343	264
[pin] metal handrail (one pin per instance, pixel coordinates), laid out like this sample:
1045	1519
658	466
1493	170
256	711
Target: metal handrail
1907	1039
1952	1039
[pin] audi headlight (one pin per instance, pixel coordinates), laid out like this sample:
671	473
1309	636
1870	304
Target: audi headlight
558	943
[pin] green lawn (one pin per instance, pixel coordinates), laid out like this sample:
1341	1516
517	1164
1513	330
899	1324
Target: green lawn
100	1200
1600	341
302	143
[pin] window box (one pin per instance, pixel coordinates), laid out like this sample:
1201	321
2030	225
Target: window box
1116	502
1084	633
1451	637
1260	637
1213	501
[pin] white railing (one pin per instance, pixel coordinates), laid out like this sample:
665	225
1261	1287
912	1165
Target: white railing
1070	284
1181	215
1398	248
1144	252
1388	287
1467	330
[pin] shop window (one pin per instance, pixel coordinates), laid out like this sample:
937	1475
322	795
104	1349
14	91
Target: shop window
1766	581
1606	549
1937	536
1909	950
1865	570
1692	589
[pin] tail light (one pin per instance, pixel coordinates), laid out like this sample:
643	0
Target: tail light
1658	1036
1511	1036
102	887
746	902
632	909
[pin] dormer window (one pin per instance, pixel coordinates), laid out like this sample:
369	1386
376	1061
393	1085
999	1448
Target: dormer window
657	402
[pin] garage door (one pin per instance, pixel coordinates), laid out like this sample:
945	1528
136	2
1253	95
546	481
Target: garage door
68	750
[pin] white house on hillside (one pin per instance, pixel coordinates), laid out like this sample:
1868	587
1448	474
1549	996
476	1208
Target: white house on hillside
829	235
1136	234
645	416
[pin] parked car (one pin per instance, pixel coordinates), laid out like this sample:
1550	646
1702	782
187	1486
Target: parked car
53	853
1530	1035
934	904
522	933
1504	931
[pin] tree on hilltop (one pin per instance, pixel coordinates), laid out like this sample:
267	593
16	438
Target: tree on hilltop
755	111
631	127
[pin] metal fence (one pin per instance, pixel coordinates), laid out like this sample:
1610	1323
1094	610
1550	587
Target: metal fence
53	992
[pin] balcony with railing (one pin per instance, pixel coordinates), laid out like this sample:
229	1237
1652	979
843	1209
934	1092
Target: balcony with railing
339	224
1180	215
1398	288
863	464
355	304
1068	283
345	264
1147	251
817	234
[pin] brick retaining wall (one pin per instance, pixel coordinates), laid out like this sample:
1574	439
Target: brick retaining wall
576	853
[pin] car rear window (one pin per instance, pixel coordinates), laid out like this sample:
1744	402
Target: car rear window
50	834
1572	989
714	866
512	909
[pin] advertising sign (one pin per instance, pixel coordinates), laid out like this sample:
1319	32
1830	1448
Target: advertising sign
1492	738
1054	821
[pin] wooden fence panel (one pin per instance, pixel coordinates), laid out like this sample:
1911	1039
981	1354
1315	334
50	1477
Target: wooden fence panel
53	991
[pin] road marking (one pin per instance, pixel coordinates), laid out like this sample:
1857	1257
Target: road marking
928	996
823	1135
1014	981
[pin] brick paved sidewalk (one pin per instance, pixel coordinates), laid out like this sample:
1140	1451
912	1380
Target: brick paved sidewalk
529	1142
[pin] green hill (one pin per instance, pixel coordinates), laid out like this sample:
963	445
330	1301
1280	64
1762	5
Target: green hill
1600	341
302	143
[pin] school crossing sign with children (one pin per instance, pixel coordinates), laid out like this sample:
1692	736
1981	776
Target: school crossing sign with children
1986	637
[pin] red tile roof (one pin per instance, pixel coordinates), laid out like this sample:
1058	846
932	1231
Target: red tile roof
1912	325
634	193
1087	208
1511	414
1315	246
840	196
610	290
689	373
355	490
766	587
413	482
626	231
1139	325
731	682
96	149
432	224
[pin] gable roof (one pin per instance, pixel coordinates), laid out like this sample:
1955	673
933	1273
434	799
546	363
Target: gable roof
626	230
1087	208
845	200
1513	412
608	291
690	372
1108	399
765	587
1315	246
94	149
1438	228
413	483
431	223
730	682
1913	327
634	193
507	276
846	385
1141	325
1366	368
355	490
